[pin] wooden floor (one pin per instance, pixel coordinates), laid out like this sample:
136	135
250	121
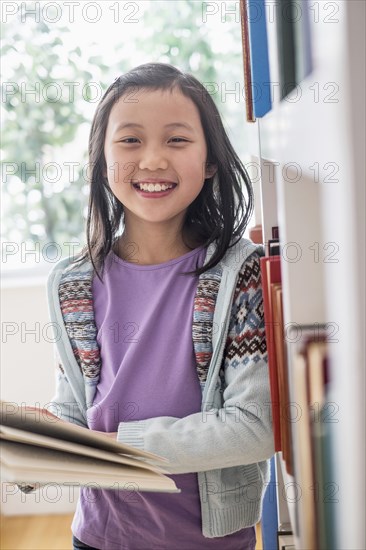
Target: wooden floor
44	533
36	532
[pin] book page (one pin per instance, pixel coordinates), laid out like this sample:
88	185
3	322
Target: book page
20	436
26	463
42	422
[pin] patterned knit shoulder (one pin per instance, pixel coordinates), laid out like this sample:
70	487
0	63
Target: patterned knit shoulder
246	339
249	275
241	337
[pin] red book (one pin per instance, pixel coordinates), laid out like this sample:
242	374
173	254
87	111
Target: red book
282	375
271	273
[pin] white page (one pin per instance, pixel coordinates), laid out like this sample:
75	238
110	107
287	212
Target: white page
21	462
13	434
42	422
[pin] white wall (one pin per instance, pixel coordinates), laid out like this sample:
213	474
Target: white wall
27	376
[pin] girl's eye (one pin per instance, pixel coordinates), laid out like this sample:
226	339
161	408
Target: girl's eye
127	140
131	140
180	139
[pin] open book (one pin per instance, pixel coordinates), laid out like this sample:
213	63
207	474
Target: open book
37	447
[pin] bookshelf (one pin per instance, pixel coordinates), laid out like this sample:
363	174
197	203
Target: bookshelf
311	150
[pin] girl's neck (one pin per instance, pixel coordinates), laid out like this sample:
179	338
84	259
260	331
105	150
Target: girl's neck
152	248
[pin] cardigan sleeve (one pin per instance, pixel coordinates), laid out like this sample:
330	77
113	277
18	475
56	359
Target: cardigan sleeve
240	432
63	404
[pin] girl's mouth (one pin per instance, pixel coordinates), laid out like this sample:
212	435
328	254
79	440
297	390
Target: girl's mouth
156	190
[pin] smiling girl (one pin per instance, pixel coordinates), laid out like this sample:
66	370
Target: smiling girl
164	344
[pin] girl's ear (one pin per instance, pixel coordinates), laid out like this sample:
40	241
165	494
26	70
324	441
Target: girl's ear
210	170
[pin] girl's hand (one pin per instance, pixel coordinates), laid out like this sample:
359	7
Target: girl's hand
112	435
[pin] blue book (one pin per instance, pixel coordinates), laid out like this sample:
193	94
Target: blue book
269	520
259	60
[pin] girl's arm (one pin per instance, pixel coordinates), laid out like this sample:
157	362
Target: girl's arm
240	432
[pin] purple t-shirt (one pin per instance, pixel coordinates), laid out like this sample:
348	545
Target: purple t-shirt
143	315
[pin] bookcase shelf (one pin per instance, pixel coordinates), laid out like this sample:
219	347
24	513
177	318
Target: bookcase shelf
312	158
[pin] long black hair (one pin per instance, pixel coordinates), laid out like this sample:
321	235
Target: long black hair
219	213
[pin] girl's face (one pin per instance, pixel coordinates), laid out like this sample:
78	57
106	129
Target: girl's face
155	151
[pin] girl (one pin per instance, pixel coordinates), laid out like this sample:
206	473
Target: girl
163	339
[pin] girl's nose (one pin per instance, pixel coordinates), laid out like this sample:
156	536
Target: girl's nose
153	159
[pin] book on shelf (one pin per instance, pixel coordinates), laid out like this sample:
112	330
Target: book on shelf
302	39
275	232
246	61
277	357
271	273
285	22
303	459
322	415
273	247
301	411
259	58
311	434
38	447
282	374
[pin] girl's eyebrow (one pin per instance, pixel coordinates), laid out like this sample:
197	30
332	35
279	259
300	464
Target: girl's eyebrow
170	125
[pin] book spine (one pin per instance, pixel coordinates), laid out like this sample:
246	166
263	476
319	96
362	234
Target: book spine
261	88
286	46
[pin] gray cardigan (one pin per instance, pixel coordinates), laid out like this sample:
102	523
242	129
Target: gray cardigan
230	441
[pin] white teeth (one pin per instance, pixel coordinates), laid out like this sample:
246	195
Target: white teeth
151	187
